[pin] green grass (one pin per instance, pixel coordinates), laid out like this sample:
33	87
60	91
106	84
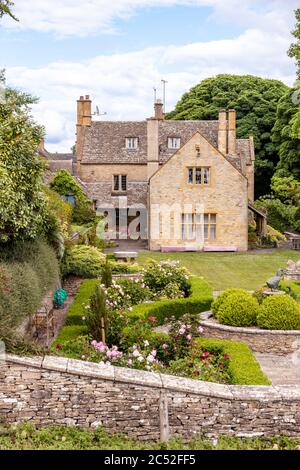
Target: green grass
199	300
74	325
224	270
27	437
243	367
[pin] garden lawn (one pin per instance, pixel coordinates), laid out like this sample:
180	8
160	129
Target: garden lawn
27	437
224	270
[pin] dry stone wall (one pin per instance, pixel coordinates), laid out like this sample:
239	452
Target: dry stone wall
263	341
147	406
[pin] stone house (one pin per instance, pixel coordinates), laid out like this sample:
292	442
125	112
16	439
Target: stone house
183	185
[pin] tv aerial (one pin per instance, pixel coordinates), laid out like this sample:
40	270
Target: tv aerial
97	112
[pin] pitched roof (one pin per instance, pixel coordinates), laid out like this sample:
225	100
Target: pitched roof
104	141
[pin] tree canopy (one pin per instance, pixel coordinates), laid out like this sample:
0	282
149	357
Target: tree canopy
255	100
5	9
294	50
22	202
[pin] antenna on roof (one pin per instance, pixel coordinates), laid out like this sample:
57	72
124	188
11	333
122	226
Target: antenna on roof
164	93
97	112
155	94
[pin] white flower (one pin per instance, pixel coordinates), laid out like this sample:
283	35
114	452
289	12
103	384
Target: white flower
140	358
83	318
153	352
146	342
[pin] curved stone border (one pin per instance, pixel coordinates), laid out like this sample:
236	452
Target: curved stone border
263	341
147	406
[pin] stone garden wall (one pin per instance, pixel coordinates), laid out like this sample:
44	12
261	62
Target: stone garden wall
263	341
143	405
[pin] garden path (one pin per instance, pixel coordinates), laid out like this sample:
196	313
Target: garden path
281	370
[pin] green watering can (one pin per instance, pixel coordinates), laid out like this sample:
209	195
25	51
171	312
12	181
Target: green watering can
59	297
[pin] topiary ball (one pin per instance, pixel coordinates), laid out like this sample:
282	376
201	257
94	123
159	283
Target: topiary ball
238	309
279	312
223	296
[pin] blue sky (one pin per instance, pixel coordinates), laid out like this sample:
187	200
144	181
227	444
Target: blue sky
117	50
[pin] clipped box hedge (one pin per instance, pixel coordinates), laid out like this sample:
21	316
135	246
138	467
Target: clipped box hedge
243	366
200	300
75	325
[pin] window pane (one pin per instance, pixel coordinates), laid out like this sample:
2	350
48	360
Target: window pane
206	218
213	218
198	175
206	231
173	142
199	232
206	175
124	182
116	183
212	232
190	177
199	218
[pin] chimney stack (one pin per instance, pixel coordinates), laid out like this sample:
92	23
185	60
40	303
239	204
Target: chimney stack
231	132
222	133
84	111
84	119
159	112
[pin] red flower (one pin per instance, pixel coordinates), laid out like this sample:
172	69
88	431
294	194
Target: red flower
205	355
58	346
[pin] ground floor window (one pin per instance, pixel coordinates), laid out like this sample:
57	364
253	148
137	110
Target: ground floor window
198	226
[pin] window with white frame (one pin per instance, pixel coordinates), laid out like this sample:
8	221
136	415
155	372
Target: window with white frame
132	143
198	175
198	226
174	143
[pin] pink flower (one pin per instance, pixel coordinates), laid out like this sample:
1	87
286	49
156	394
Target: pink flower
153	352
189	336
129	362
200	329
165	346
189	326
136	353
181	331
150	358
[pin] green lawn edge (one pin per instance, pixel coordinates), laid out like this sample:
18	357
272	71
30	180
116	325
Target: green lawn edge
74	324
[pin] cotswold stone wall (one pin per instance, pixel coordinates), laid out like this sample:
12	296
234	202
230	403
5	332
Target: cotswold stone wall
143	405
263	341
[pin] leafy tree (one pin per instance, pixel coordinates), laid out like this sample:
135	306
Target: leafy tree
22	202
64	184
5	9
286	131
294	50
255	100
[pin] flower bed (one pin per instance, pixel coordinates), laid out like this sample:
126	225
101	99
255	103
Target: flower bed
129	310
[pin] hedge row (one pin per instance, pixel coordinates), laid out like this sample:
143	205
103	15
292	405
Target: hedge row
200	300
75	325
27	272
243	367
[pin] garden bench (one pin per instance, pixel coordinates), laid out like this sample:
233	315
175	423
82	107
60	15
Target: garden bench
126	255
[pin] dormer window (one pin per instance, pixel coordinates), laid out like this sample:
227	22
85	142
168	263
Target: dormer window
132	143
173	143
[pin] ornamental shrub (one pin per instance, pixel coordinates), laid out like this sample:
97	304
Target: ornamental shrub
106	278
279	312
158	275
83	261
96	317
238	309
223	296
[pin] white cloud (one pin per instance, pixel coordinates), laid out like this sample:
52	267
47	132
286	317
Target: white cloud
122	84
82	18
